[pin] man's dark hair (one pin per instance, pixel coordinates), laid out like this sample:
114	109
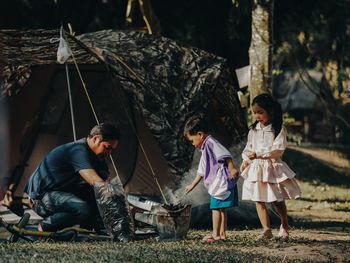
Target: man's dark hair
107	131
195	124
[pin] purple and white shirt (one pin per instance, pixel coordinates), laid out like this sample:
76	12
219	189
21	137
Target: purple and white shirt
213	168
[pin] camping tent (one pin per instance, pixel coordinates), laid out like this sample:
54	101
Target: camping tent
136	80
297	91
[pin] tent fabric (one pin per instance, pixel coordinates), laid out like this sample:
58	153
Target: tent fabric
297	91
40	121
177	81
165	82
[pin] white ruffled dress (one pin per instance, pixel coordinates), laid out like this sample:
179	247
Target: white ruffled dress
267	178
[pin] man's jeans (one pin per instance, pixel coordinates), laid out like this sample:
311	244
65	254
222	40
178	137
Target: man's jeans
60	210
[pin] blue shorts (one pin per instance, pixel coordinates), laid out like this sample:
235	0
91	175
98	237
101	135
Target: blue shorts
230	201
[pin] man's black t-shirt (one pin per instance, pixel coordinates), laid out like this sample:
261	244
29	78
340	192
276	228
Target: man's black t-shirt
59	170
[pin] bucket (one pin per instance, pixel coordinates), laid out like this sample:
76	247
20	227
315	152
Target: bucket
172	224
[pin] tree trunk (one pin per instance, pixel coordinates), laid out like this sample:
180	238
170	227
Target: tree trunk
152	24
260	51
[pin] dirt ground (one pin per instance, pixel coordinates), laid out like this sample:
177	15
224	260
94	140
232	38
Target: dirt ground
305	245
324	178
320	231
323	211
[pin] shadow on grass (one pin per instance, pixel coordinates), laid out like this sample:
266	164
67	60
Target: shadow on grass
310	169
308	224
328	200
243	216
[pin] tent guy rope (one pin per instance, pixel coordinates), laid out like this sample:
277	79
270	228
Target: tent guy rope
117	58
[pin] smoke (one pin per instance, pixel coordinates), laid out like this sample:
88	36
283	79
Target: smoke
243	215
199	195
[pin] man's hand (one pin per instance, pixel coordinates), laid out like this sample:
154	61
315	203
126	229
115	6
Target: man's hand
90	176
8	199
99	184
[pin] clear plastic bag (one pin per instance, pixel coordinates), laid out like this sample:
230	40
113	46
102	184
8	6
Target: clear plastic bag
113	208
63	52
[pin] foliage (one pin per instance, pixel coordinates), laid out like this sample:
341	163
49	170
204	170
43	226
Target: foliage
315	35
316	32
215	26
308	34
311	34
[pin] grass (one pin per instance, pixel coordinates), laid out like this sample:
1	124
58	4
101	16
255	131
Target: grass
141	251
241	247
324	178
320	233
310	168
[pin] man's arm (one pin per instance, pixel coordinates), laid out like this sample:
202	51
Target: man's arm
90	176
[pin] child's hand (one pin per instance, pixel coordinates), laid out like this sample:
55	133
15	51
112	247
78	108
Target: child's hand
232	168
188	189
234	173
252	156
243	166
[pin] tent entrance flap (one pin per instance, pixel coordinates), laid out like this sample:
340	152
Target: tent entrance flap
133	73
55	127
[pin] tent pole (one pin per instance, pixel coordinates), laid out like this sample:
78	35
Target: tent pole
92	109
129	118
71	103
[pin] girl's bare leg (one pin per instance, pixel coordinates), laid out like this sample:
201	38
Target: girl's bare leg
282	212
263	216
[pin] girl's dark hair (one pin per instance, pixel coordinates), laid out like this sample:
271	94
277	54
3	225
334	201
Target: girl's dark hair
273	109
107	131
195	124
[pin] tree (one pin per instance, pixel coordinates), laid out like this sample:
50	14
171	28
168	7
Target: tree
150	19
260	51
314	36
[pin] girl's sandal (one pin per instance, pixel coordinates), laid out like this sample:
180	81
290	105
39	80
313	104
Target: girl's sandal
223	238
209	239
264	235
283	234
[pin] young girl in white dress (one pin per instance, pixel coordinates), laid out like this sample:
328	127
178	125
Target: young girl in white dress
267	179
